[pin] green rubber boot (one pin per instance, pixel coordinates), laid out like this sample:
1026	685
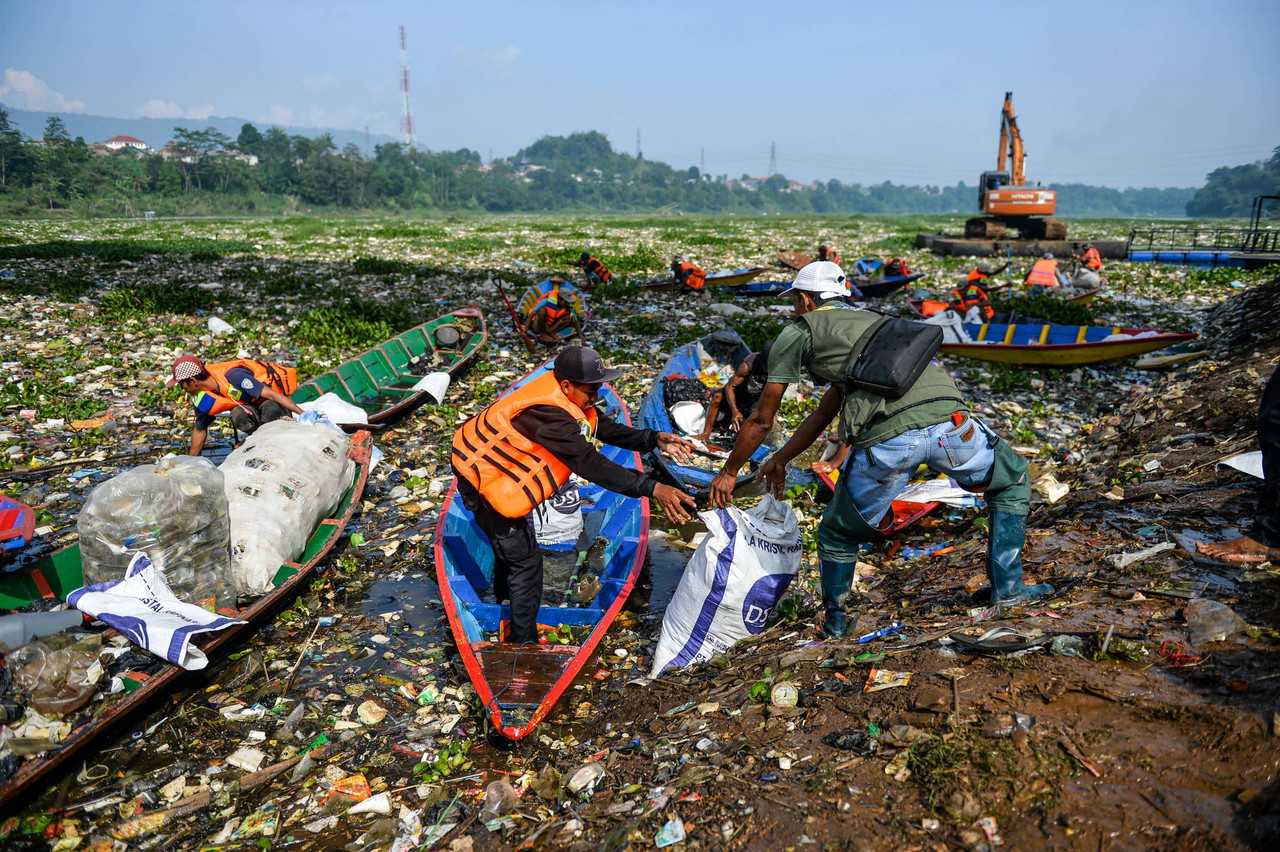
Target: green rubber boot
837	577
1004	561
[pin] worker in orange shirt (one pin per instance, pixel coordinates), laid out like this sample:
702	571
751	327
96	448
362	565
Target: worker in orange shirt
689	275
825	253
1092	258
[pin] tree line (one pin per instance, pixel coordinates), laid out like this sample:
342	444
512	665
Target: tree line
208	172
1230	190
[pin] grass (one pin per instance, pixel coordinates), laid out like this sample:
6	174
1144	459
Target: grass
378	266
198	250
139	301
1047	308
757	331
352	325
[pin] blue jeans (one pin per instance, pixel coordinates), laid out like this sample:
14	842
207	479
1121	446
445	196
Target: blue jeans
874	476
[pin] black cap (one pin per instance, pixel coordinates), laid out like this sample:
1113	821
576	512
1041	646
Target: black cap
583	365
584	256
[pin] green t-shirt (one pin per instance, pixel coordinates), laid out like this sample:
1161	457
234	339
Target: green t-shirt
862	420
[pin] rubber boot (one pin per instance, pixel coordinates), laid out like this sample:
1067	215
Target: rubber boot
1004	561
837	577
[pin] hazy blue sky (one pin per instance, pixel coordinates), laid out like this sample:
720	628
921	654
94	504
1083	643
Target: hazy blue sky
1143	93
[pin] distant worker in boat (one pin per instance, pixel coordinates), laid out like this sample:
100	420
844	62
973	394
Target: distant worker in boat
1045	274
689	276
973	303
250	392
930	424
895	267
552	315
740	393
520	450
825	253
1091	259
1262	544
594	271
1088	275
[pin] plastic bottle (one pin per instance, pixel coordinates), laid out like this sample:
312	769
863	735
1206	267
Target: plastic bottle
219	326
499	800
20	628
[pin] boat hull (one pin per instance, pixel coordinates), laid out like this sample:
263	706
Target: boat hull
1058	345
724	278
519	687
60	573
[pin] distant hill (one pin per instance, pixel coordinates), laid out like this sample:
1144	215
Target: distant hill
157	131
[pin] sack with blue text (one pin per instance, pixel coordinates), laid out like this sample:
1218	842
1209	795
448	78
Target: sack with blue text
736	576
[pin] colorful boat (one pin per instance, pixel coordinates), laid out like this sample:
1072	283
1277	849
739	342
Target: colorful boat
536	296
17	524
519	686
59	574
871	285
723	278
793	259
756	289
713	358
1060	345
905	512
382	380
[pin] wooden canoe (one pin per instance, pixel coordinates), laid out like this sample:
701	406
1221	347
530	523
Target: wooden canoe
1059	345
905	512
520	686
536	296
723	278
17	524
59	574
381	380
720	352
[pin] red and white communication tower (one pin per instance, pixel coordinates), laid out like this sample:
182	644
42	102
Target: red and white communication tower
406	113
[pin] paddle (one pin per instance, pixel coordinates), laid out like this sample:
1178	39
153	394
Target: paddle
524	335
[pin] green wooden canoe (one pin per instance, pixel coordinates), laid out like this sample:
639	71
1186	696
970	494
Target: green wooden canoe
59	574
381	380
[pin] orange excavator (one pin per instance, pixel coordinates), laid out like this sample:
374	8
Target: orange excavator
1005	197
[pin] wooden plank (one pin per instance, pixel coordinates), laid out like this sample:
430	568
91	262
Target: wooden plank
525	675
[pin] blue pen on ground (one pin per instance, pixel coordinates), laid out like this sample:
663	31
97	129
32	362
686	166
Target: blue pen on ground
880	634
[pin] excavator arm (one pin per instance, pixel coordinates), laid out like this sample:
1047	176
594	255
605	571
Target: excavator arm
1011	138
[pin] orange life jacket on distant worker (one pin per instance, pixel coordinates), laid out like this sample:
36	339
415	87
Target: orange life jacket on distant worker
275	376
513	473
930	307
1093	259
596	268
555	309
971	297
896	266
1044	272
692	276
975	275
830	254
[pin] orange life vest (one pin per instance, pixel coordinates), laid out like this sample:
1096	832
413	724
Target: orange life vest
691	276
226	397
1044	272
895	267
513	473
970	297
929	307
975	275
597	268
1093	259
832	255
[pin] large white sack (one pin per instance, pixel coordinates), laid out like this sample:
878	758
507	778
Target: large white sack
280	483
734	580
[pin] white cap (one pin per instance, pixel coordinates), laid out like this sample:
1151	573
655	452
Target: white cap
822	278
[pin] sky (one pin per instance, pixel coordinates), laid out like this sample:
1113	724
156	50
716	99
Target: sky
1126	94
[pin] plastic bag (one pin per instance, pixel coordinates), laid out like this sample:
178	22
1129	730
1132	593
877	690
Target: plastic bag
175	511
558	520
334	408
280	483
59	674
736	576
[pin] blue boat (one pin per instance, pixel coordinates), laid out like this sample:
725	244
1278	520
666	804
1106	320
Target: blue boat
865	278
721	351
518	685
756	289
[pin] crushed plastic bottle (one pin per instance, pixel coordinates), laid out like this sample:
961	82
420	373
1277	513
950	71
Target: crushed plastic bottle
499	800
582	781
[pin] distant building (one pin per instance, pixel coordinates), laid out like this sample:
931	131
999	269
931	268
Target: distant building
115	143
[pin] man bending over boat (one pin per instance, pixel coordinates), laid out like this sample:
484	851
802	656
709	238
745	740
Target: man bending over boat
929	424
515	454
552	316
689	276
251	392
594	271
741	392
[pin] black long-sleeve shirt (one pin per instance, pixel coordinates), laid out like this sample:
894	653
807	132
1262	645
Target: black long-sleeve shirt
561	435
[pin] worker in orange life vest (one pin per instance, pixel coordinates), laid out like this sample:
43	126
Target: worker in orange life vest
517	453
982	272
895	267
552	315
1091	259
250	392
1044	274
689	275
970	296
594	270
830	254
